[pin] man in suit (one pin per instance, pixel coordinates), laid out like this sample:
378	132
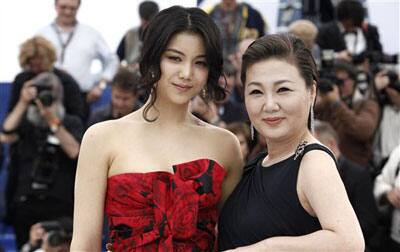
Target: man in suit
350	37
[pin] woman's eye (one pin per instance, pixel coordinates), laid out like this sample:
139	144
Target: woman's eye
174	58
202	63
255	91
283	89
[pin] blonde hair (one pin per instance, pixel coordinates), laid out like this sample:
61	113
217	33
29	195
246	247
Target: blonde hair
305	30
37	47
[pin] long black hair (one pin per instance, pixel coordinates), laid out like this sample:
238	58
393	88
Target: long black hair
161	29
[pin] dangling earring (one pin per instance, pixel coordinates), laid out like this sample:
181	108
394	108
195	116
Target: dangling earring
152	74
312	122
252	132
203	93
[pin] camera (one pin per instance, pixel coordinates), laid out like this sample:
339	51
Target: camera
44	84
50	225
327	81
57	235
393	80
45	95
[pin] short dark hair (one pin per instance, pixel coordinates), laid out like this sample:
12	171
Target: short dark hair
126	80
148	9
161	29
349	68
351	10
284	47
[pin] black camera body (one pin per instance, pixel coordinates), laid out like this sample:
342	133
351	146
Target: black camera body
327	81
44	94
56	233
45	83
393	80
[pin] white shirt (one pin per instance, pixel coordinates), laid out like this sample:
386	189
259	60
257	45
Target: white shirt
385	182
390	129
85	46
355	42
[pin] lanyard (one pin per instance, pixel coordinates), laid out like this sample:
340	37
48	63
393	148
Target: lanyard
63	44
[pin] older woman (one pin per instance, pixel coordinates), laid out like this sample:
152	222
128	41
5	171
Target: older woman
290	198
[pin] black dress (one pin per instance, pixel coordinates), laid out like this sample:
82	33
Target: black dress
265	203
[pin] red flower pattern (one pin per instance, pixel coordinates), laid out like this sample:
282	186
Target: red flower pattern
162	211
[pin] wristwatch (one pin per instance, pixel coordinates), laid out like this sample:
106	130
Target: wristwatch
54	125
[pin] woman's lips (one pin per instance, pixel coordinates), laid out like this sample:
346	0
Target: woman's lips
273	120
182	87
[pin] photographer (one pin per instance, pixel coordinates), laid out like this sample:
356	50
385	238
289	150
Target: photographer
43	157
50	236
354	116
37	55
350	37
387	87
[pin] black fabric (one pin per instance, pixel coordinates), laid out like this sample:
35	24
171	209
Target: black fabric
20	179
72	101
265	204
27	149
32	210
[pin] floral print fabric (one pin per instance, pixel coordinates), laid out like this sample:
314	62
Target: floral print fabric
162	211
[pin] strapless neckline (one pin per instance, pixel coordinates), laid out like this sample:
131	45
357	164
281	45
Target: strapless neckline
164	211
166	172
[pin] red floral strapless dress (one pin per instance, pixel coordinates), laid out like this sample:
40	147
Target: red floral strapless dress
162	211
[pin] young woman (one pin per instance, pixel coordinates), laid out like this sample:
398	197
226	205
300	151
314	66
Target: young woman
291	198
160	172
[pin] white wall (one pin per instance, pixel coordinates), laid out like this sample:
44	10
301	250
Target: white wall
20	19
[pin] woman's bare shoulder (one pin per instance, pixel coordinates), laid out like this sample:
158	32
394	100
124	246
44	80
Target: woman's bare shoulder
225	145
109	130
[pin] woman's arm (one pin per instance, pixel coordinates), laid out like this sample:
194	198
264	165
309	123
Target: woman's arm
233	163
90	190
319	184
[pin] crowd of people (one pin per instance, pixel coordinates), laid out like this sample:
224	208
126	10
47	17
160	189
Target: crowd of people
217	134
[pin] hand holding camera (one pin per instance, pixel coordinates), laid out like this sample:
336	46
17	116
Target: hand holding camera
48	113
28	92
331	96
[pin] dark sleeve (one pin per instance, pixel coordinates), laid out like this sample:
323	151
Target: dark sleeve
363	202
256	21
73	100
320	40
16	87
121	49
74	126
329	37
373	39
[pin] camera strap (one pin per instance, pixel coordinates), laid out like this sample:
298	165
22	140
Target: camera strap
63	44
